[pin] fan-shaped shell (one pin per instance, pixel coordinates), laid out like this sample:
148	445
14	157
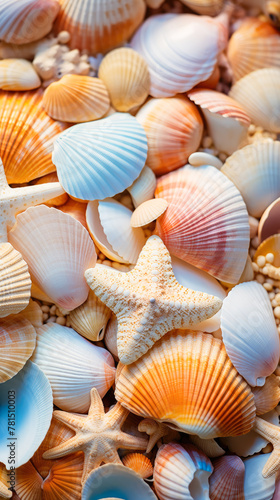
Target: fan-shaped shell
254	170
139	463
99	159
33	313
258	93
227	480
195	399
126	76
174	130
76	98
99	25
30	392
18	74
267	397
206	222
270	221
91	318
24	21
58	250
76	209
205	7
147	212
256	487
64	479
143	187
26	136
28	482
73	366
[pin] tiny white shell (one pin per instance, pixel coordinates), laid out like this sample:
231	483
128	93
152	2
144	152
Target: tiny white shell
143	187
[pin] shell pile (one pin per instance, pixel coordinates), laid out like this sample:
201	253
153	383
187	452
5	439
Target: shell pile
139	249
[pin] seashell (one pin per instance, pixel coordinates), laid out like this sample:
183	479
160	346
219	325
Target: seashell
188	353
18	341
269	223
139	463
148	212
91	318
199	159
254	171
174	130
18	74
15	282
227	480
254	45
28	482
34	405
143	187
58	200
272	246
38	294
258	93
73	366
226	120
248	271
154	4
26	136
181	472
120	241
249	332
110	338
64	479
76	98
33	313
256	487
267	397
99	159
205	7
76	210
126	76
5	492
175	64
58	250
23	21
200	201
115	479
209	446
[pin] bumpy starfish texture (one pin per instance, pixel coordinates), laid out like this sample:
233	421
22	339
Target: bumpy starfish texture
148	301
98	435
271	433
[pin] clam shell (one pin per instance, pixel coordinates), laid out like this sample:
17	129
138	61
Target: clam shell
227	480
254	170
99	159
34	405
58	250
267	397
143	187
174	396
26	136
64	479
126	76
270	221
73	366
256	487
91	318
23	21
199	202
205	7
18	74
76	98
139	463
174	130
258	93
28	482
148	212
99	25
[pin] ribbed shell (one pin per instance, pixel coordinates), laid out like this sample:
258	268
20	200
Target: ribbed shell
64	479
33	313
256	487
26	136
28	482
143	187
187	380
267	397
206	222
18	74
147	212
91	318
205	7
99	25
139	463
227	480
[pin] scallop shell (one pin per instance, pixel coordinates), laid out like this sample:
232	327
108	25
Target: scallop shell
76	98
147	389
76	209
99	159
226	120
205	7
256	487
139	463
126	76
148	212
23	21
143	187
33	313
255	45
58	250
174	130
267	397
270	221
28	482
58	200
99	25
227	480
91	318
258	93
181	472
18	74
206	222
255	172
17	340
34	405
64	479
26	136
73	366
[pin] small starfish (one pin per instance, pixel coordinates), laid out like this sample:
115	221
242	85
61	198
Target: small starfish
15	200
98	435
156	431
148	301
271	433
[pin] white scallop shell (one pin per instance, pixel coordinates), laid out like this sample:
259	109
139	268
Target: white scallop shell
256	487
143	187
18	74
147	212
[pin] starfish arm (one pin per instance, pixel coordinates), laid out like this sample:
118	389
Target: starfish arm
117	416
155	259
70	419
155	431
108	285
272	466
24	197
268	431
70	446
96	405
92	461
131	442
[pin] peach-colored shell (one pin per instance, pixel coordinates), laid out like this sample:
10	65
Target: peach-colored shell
267	397
28	482
139	463
64	479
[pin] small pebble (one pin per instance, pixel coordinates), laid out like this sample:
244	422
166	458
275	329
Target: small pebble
45	316
252	253
222	157
255	242
101	256
207	142
107	263
277	312
61	320
267	286
52	319
271	295
269	258
53	310
277	298
261	261
45	309
274	303
255	267
260	279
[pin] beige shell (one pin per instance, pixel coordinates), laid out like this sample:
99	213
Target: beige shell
143	187
205	7
110	338
32	313
76	98
18	74
147	212
91	318
126	76
267	397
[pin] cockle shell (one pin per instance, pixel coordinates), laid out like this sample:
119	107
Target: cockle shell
33	407
205	7
64	479
58	250
99	159
200	201
139	463
18	74
267	397
90	319
28	482
254	170
270	221
147	212
99	25
73	366
256	487
174	130
24	21
76	98
126	76
143	187
227	480
147	389
258	93
26	136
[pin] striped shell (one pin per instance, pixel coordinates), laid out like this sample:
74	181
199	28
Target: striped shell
227	480
148	212
18	74
91	318
139	463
